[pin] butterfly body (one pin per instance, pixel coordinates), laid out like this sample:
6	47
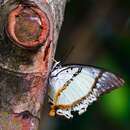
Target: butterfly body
75	87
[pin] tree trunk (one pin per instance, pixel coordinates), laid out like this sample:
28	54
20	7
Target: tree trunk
25	63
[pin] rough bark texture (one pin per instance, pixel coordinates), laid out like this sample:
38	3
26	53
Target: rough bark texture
23	72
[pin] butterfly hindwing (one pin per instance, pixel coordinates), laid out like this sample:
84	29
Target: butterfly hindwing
74	87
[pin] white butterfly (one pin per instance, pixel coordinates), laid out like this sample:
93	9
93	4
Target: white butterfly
74	87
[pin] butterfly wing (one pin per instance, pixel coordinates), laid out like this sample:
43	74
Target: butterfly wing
74	87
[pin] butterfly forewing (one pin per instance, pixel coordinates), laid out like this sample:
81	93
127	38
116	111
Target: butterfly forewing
58	79
74	87
77	87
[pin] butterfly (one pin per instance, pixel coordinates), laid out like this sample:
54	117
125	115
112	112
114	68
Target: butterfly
72	88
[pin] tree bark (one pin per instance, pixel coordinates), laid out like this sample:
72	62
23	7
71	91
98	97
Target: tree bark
24	72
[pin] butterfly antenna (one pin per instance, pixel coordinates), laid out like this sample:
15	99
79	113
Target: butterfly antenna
67	53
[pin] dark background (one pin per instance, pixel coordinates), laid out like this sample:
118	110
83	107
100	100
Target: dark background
97	32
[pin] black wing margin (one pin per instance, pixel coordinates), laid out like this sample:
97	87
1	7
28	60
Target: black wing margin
108	81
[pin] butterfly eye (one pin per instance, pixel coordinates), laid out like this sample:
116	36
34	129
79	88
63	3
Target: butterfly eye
27	26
